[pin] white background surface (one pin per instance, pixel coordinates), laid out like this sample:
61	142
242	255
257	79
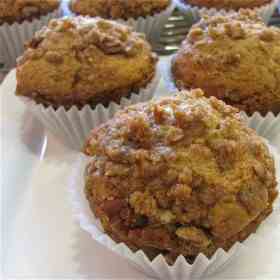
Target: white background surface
39	233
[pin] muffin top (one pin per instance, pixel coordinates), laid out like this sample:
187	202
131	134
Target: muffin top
228	4
78	61
235	58
116	9
181	175
19	10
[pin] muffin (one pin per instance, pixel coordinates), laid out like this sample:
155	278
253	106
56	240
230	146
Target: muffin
179	176
118	9
19	10
228	4
235	58
145	16
19	20
198	8
84	61
77	72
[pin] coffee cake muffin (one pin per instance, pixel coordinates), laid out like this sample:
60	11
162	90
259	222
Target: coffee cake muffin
228	4
198	8
119	9
235	58
19	20
79	61
179	176
145	16
19	10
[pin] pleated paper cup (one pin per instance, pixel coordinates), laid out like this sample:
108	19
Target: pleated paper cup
265	11
74	125
14	36
268	125
159	268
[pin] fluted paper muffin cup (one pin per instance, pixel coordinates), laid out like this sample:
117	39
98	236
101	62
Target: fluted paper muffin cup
270	122
265	11
159	268
14	36
74	125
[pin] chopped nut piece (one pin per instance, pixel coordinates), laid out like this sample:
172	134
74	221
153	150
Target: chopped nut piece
194	235
235	31
195	34
267	35
54	57
180	192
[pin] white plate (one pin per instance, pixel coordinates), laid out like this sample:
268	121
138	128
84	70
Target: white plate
40	236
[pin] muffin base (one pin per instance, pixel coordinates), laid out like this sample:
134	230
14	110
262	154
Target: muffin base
265	11
136	243
103	98
73	125
13	37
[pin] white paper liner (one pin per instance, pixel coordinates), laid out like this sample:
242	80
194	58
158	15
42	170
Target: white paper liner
268	126
265	11
158	267
14	36
73	126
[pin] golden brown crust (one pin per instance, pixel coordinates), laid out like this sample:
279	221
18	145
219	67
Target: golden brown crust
20	10
83	61
181	175
235	58
118	9
228	4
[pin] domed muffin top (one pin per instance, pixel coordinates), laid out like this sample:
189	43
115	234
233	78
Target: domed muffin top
228	4
118	9
19	10
81	60
186	168
235	58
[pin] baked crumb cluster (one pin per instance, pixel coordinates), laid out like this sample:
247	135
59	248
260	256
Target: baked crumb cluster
84	61
235	58
19	10
119	9
228	4
182	175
